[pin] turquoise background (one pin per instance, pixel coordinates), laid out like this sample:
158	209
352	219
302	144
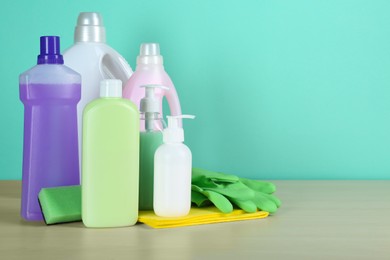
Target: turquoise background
288	89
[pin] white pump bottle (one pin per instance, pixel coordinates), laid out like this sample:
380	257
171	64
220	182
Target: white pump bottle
150	139
172	172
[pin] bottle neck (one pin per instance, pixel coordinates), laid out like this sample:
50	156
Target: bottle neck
150	60
95	34
173	143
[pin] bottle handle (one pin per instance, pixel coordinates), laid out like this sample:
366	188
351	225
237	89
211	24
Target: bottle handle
115	67
173	102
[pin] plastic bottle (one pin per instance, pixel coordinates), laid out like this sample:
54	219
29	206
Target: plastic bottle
172	172
94	60
150	70
110	159
150	140
50	92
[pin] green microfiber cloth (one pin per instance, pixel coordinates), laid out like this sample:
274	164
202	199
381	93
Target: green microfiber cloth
61	204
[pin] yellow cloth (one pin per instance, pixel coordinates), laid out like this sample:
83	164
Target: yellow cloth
197	216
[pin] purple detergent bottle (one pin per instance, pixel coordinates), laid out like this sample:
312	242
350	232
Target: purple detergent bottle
50	92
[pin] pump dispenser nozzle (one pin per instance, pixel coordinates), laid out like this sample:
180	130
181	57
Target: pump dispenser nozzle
173	133
150	105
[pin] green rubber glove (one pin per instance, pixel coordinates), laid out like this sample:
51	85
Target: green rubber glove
203	197
224	189
261	186
263	192
200	174
235	192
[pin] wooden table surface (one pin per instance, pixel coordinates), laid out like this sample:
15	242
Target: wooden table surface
318	220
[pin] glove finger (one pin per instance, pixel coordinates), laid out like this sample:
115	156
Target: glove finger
196	188
234	190
246	205
264	203
220	201
199	199
202	181
277	201
261	186
211	175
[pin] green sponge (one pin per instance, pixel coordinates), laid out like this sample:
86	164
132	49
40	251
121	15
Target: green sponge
61	204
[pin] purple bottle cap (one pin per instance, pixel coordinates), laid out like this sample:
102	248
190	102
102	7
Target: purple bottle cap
50	51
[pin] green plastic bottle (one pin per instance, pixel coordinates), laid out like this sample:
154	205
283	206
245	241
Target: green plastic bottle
110	159
151	139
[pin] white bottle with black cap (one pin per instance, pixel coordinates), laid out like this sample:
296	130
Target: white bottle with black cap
91	57
172	172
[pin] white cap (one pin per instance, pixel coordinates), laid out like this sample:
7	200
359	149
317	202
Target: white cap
111	88
149	49
149	53
173	133
90	28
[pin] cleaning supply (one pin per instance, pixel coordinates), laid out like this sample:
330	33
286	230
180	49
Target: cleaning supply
198	216
150	140
172	172
224	190
110	159
50	92
61	204
150	70
94	60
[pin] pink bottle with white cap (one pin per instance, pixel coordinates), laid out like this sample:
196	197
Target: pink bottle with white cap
150	70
